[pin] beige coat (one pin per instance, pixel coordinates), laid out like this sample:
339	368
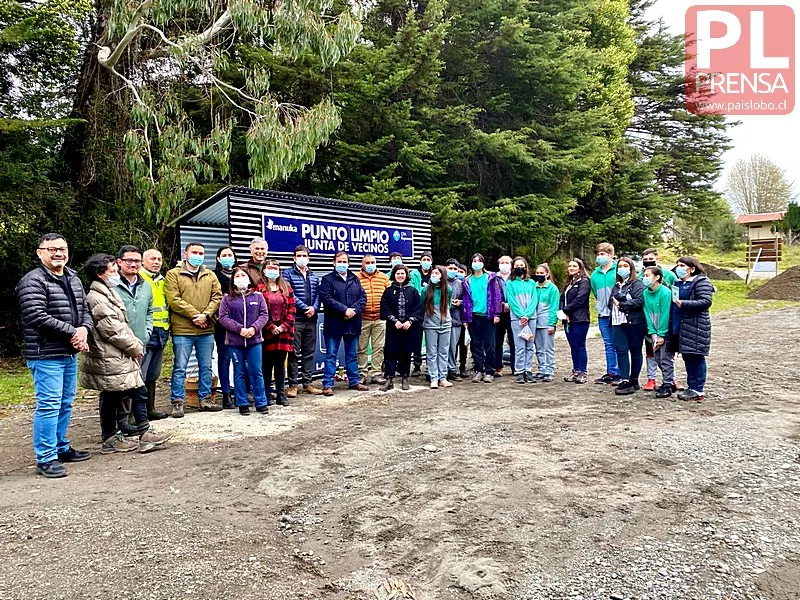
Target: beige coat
111	364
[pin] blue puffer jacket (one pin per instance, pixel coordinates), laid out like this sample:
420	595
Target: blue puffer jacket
693	320
306	292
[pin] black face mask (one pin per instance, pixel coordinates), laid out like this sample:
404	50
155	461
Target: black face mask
539	278
520	271
649	263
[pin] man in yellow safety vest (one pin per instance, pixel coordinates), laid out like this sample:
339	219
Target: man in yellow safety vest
154	353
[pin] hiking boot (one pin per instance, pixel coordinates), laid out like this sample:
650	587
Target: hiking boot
521	378
73	456
665	391
691	396
478	378
377	380
650	386
129	430
117	443
264	410
488	378
177	410
416	372
291	392
445	383
605	379
327	391
244	410
227	403
282	400
152	413
569	378
208	405
404	384
547	378
362	380
624	389
51	469
150	440
387	385
360	388
581	377
310	389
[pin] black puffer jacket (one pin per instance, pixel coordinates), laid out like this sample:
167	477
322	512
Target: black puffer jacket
575	301
51	311
633	307
695	328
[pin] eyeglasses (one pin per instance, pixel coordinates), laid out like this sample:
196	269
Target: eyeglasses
131	261
62	250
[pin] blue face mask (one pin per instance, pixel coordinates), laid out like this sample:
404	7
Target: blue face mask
341	268
435	279
396	262
425	264
452	274
227	262
195	260
624	273
681	272
602	260
477	266
647	281
461	276
272	274
370	269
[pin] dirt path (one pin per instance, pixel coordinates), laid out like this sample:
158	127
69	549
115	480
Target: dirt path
544	491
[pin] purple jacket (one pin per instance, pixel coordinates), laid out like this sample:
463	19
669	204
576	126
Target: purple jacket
494	302
243	311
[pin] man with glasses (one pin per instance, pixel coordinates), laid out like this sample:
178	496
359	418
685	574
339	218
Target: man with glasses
137	296
56	324
154	350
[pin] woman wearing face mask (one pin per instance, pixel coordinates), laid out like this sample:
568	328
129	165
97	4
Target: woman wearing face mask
437	325
243	313
522	295
690	324
112	365
401	308
545	321
482	310
575	309
226	259
279	331
628	325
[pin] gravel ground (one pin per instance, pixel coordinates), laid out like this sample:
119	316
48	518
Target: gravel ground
546	491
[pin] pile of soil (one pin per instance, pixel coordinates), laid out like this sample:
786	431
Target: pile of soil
720	274
785	286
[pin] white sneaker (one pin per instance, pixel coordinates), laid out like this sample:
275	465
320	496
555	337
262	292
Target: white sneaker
445	383
434	385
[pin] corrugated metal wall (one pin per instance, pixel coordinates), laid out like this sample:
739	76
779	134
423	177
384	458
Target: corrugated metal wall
211	237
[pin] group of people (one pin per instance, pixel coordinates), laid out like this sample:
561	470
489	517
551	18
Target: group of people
262	317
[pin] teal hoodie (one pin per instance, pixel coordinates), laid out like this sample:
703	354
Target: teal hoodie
657	307
601	287
522	296
548	298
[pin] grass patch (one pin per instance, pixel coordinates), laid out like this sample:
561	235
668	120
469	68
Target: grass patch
16	383
731	297
734	259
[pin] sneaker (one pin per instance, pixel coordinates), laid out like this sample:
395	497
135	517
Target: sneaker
72	456
150	440
118	443
581	377
177	410
327	391
404	384
605	379
310	389
360	388
547	378
530	377
665	391
521	378
488	378
616	380
362	380
244	410
387	385
377	380
691	396
264	410
463	374
129	430
650	386
434	385
569	378
539	376
498	372
283	400
291	392
445	383
51	469
208	405
455	377
478	378
624	389
416	372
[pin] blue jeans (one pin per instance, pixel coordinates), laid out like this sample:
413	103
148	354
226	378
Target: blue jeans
545	351
481	330
223	362
608	342
247	366
696	371
437	350
576	336
524	349
154	354
350	359
55	382
203	345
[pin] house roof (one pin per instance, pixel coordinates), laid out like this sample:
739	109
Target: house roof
759	218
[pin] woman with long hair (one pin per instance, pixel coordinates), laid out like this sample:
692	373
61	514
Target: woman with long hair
437	325
628	325
575	314
243	314
279	330
226	259
545	320
521	296
401	308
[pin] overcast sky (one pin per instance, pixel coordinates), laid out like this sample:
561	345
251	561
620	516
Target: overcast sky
778	137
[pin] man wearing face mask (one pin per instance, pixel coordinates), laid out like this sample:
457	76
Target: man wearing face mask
193	295
305	285
650	259
56	324
154	353
395	260
255	266
503	328
373	330
420	277
344	300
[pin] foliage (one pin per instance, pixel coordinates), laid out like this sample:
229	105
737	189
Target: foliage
790	225
728	235
758	185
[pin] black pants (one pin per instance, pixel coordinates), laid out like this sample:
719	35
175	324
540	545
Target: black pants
416	355
628	342
274	362
481	331
110	403
502	329
462	349
301	359
397	363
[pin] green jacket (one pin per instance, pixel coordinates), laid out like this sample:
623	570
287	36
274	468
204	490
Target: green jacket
601	287
188	296
548	298
657	307
139	307
669	276
522	297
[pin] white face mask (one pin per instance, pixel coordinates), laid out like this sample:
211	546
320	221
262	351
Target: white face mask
301	261
241	283
505	268
113	280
